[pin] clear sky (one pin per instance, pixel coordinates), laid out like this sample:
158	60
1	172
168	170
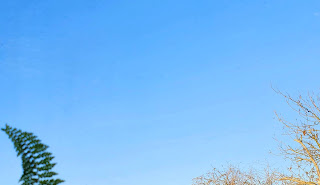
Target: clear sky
152	92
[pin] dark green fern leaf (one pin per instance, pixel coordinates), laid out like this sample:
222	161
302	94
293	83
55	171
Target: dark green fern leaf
36	161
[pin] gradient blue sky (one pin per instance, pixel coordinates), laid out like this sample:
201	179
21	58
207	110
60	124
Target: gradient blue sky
152	92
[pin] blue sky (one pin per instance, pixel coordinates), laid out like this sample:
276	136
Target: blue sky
152	92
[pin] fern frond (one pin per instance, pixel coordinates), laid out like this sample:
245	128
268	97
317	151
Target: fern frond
36	161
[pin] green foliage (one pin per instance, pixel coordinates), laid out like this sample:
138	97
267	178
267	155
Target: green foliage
36	161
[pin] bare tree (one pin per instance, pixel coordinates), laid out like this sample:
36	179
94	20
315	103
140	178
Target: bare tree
305	152
234	176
